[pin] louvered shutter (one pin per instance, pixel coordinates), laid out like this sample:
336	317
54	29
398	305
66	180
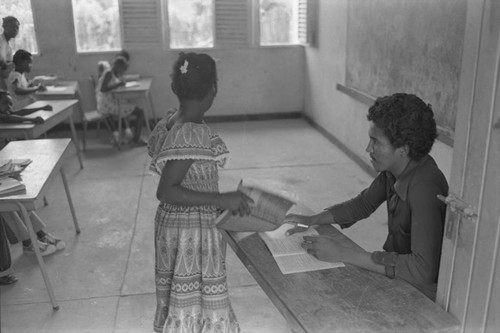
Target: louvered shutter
302	22
231	23
141	24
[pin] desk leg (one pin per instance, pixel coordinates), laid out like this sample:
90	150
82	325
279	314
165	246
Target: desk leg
75	140
34	241
68	195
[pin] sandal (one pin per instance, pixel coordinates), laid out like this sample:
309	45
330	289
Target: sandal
8	279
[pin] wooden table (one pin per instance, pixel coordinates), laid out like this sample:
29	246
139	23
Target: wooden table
62	109
346	299
142	93
47	156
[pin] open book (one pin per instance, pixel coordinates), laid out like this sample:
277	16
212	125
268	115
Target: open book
266	213
9	186
289	254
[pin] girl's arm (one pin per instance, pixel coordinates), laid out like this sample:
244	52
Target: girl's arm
24	91
170	191
19	119
105	81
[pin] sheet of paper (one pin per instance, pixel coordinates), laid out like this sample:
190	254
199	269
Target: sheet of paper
303	263
55	88
131	84
289	254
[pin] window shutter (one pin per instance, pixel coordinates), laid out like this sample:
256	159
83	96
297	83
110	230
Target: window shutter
231	23
141	24
302	24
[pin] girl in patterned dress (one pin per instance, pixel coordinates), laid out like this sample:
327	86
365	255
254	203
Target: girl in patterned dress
190	273
109	105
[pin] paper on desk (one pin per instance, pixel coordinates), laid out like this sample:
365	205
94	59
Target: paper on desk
55	88
131	84
289	254
45	78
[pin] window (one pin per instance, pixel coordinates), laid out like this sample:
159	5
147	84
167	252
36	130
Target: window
191	23
279	22
97	25
21	9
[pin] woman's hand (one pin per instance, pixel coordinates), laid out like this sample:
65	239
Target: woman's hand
237	202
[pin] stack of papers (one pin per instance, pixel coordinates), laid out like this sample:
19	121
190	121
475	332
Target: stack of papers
10	171
9	186
13	168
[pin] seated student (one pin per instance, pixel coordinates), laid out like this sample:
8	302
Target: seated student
22	89
402	132
5	259
108	105
8	115
104	65
48	243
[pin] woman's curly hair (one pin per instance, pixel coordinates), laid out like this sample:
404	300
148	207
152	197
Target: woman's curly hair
405	120
197	76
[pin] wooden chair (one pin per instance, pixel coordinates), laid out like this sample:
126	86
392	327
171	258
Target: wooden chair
92	116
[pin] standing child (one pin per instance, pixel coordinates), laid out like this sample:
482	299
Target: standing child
22	89
191	287
108	105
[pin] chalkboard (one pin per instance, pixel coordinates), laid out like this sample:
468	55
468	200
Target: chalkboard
412	46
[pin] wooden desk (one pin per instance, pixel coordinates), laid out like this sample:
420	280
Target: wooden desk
62	109
347	299
47	156
141	93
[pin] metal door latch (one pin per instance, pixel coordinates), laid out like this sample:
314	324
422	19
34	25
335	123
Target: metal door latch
458	205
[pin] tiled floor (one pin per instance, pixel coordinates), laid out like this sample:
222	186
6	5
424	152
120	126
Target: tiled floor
104	279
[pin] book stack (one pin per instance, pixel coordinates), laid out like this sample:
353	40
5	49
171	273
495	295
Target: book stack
10	176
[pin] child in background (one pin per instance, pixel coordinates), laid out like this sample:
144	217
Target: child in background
21	88
8	115
47	243
108	105
190	272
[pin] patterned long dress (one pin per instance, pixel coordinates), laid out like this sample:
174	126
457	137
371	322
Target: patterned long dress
190	273
107	104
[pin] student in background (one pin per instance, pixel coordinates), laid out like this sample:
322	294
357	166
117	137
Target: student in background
8	115
190	272
402	132
108	105
10	26
22	89
48	244
5	259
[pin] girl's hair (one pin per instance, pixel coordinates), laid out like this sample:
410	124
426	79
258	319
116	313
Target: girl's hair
193	75
120	61
123	53
405	120
20	56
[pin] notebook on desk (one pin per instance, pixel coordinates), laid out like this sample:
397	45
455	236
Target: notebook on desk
10	186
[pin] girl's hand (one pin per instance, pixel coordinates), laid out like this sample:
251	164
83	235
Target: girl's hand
237	202
47	107
298	219
41	87
38	120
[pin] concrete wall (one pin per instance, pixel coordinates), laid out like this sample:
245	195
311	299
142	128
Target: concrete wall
251	80
340	115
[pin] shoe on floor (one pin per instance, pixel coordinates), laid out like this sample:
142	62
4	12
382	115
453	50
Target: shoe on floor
50	239
45	249
116	138
8	279
128	134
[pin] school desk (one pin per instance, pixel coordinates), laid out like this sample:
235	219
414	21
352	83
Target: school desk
61	110
66	90
344	299
47	156
141	92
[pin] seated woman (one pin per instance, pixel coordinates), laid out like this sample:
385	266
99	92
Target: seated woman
108	105
402	132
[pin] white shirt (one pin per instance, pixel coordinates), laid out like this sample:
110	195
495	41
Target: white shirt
19	101
6	56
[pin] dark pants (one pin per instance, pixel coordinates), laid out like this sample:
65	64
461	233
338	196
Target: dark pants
5	260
